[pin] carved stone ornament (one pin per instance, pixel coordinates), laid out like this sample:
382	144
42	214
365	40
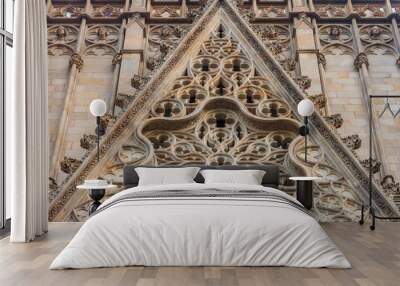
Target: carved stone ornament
136	81
52	184
53	189
247	12
352	141
369	10
68	11
88	142
166	11
117	59
221	135
376	165
107	120
273	12
289	65
220	111
275	37
107	11
334	32
102	34
319	100
321	59
123	100
376	34
330	11
151	62
329	34
77	60
304	82
334	120
162	40
390	186
360	60
62	39
398	61
70	165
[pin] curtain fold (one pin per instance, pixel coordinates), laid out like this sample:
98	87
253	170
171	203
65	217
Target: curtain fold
26	124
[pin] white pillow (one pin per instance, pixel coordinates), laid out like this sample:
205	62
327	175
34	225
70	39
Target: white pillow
166	176
248	177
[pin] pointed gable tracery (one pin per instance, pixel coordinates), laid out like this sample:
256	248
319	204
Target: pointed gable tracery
230	104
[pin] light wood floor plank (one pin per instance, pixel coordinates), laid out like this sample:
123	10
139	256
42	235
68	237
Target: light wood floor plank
375	257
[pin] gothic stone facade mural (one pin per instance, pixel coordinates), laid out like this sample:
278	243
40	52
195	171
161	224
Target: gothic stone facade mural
217	82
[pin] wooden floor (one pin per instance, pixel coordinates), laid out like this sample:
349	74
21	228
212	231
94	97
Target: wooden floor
375	257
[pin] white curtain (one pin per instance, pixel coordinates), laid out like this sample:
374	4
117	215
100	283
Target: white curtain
26	124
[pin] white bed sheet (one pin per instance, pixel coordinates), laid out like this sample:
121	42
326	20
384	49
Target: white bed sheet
200	232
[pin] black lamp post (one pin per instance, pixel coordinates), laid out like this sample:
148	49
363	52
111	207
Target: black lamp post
97	108
305	109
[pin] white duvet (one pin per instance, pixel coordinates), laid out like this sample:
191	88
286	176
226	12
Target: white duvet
200	231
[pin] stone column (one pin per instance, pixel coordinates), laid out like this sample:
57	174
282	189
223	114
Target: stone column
361	64
76	66
117	64
132	54
307	52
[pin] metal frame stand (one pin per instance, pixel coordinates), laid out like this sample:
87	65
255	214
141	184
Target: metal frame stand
371	209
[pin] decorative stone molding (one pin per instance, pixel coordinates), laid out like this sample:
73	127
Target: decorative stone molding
221	87
166	11
391	188
361	60
70	165
53	189
372	34
162	40
107	120
304	82
76	60
334	120
117	59
328	137
369	10
88	142
333	195
334	32
321	59
330	11
123	100
68	11
62	39
319	100
107	11
352	141
330	34
136	81
273	12
289	65
376	165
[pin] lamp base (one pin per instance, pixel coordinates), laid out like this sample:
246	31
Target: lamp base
304	130
96	195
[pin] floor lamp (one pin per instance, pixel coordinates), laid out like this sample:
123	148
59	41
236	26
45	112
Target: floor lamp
98	108
305	109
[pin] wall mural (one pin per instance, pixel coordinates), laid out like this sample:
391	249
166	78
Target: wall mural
220	110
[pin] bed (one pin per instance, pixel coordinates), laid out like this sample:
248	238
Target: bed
201	224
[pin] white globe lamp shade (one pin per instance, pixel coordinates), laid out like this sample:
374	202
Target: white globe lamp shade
305	107
98	107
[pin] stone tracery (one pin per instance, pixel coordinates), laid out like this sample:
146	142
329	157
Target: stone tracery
221	83
221	113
